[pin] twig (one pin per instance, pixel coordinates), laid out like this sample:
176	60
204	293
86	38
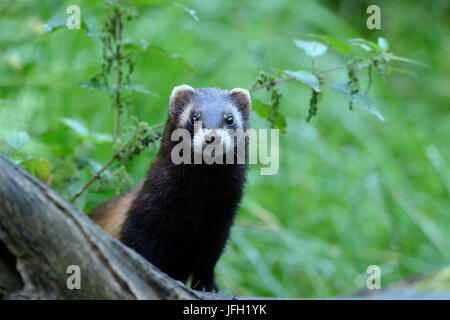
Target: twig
95	177
331	69
118	77
282	80
115	156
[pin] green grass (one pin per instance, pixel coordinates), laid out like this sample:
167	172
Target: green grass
352	191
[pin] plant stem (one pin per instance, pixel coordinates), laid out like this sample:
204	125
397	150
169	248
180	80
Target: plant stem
94	177
330	69
282	80
117	102
108	163
269	84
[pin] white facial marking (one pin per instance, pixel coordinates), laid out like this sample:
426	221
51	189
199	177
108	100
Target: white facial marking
199	138
237	116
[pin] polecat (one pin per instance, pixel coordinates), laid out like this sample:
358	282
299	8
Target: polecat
179	217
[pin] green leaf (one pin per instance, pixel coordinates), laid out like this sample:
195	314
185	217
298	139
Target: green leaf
335	43
137	88
173	56
358	98
365	44
404	71
189	11
129	44
311	48
55	23
94	84
77	126
262	109
92	30
145	46
280	123
407	60
18	139
306	78
39	168
102	137
383	43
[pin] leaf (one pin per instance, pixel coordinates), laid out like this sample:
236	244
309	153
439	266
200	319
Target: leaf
102	137
189	11
77	126
18	139
39	168
404	71
94	84
57	23
262	109
173	56
90	28
359	98
280	122
365	44
407	60
144	46
383	43
306	78
53	24
137	88
335	43
129	44
93	30
311	48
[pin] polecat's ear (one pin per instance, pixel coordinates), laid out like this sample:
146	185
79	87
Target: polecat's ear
242	98
180	97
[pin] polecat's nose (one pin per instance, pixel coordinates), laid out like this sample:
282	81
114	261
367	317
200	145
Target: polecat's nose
210	139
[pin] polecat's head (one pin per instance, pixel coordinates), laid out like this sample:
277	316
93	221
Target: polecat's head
210	114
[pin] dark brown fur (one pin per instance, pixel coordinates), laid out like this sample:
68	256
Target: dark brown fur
180	217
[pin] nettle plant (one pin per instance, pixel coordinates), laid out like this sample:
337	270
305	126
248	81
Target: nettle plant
130	136
359	54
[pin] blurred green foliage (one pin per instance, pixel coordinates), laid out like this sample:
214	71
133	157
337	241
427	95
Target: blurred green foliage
352	191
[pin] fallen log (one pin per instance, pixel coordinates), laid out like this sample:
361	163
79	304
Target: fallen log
41	235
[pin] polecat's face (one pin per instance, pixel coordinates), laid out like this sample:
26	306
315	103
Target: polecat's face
212	116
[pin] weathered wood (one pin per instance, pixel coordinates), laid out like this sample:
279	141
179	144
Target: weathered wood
46	234
10	279
42	234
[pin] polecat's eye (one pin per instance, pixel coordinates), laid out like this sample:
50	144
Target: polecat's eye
194	118
229	120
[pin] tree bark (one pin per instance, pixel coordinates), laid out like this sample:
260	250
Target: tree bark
41	235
